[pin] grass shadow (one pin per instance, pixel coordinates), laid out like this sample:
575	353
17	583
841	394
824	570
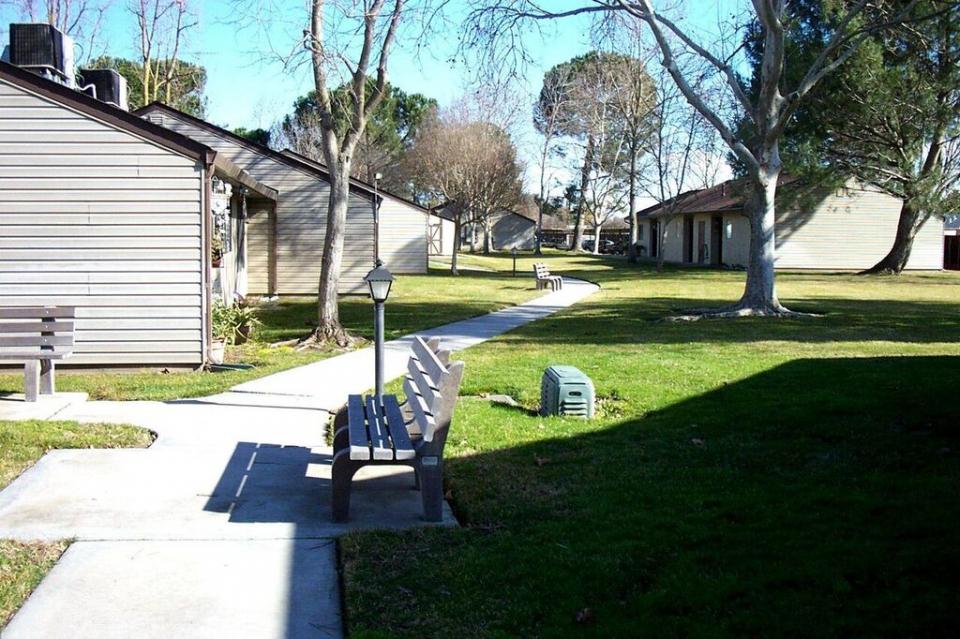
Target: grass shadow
819	489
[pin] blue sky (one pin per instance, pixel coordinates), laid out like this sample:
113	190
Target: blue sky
243	89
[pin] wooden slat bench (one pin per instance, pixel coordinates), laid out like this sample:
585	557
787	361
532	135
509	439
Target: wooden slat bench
412	433
544	279
38	335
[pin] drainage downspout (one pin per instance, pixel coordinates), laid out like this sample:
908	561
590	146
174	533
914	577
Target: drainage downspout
206	257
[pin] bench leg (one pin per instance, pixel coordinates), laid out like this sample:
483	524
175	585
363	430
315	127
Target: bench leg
31	380
342	474
341	439
431	487
47	381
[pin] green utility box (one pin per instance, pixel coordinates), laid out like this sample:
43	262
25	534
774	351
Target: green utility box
565	390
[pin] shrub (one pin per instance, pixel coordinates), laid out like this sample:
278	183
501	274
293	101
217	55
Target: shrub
233	324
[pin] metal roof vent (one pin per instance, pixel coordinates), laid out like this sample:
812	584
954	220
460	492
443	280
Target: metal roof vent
44	50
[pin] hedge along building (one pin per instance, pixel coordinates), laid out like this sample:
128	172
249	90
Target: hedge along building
850	228
284	237
109	213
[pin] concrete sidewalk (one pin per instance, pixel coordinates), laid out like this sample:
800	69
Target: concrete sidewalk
221	528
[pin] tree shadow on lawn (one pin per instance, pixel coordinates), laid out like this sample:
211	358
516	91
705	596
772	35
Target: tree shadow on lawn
646	320
295	318
817	498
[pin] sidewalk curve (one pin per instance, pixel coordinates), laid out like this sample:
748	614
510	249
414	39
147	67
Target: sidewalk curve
222	527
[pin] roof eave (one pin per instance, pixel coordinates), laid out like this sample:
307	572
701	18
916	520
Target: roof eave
108	113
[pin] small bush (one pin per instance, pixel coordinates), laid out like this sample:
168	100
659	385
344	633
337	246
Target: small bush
234	324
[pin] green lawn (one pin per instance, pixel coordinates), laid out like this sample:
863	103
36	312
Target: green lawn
23	564
416	302
753	477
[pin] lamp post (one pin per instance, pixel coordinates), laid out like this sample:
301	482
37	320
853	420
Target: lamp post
379	281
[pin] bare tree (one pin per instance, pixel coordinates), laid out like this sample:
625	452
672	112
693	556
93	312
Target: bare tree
162	27
469	165
80	19
680	155
634	101
344	43
548	117
766	110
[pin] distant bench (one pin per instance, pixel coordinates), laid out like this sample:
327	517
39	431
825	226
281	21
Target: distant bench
38	335
410	434
545	279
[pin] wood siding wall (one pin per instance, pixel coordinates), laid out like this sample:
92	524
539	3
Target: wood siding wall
851	229
301	211
511	231
403	236
94	217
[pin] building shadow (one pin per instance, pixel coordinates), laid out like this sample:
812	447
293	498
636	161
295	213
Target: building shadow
820	489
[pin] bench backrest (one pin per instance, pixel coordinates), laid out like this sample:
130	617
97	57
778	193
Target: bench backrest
431	386
36	332
541	270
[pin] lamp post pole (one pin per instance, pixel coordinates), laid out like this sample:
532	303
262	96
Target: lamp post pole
378	351
378	300
376	219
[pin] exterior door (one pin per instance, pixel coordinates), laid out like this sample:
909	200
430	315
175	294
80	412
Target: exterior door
702	242
435	238
951	252
716	240
687	239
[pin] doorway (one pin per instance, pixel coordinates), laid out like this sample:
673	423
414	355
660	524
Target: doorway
716	240
951	252
702	248
435	238
687	239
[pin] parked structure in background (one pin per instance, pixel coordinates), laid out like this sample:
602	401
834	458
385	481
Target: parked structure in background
951	242
850	228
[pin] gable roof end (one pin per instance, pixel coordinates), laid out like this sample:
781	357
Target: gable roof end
111	115
292	162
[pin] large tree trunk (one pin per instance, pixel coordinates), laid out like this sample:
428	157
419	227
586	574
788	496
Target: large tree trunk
457	226
486	235
596	239
328	316
661	234
760	294
538	249
634	220
584	183
911	219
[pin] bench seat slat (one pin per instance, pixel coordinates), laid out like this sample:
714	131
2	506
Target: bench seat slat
429	360
35	340
57	326
357	425
37	354
421	412
378	431
402	446
34	312
423	383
